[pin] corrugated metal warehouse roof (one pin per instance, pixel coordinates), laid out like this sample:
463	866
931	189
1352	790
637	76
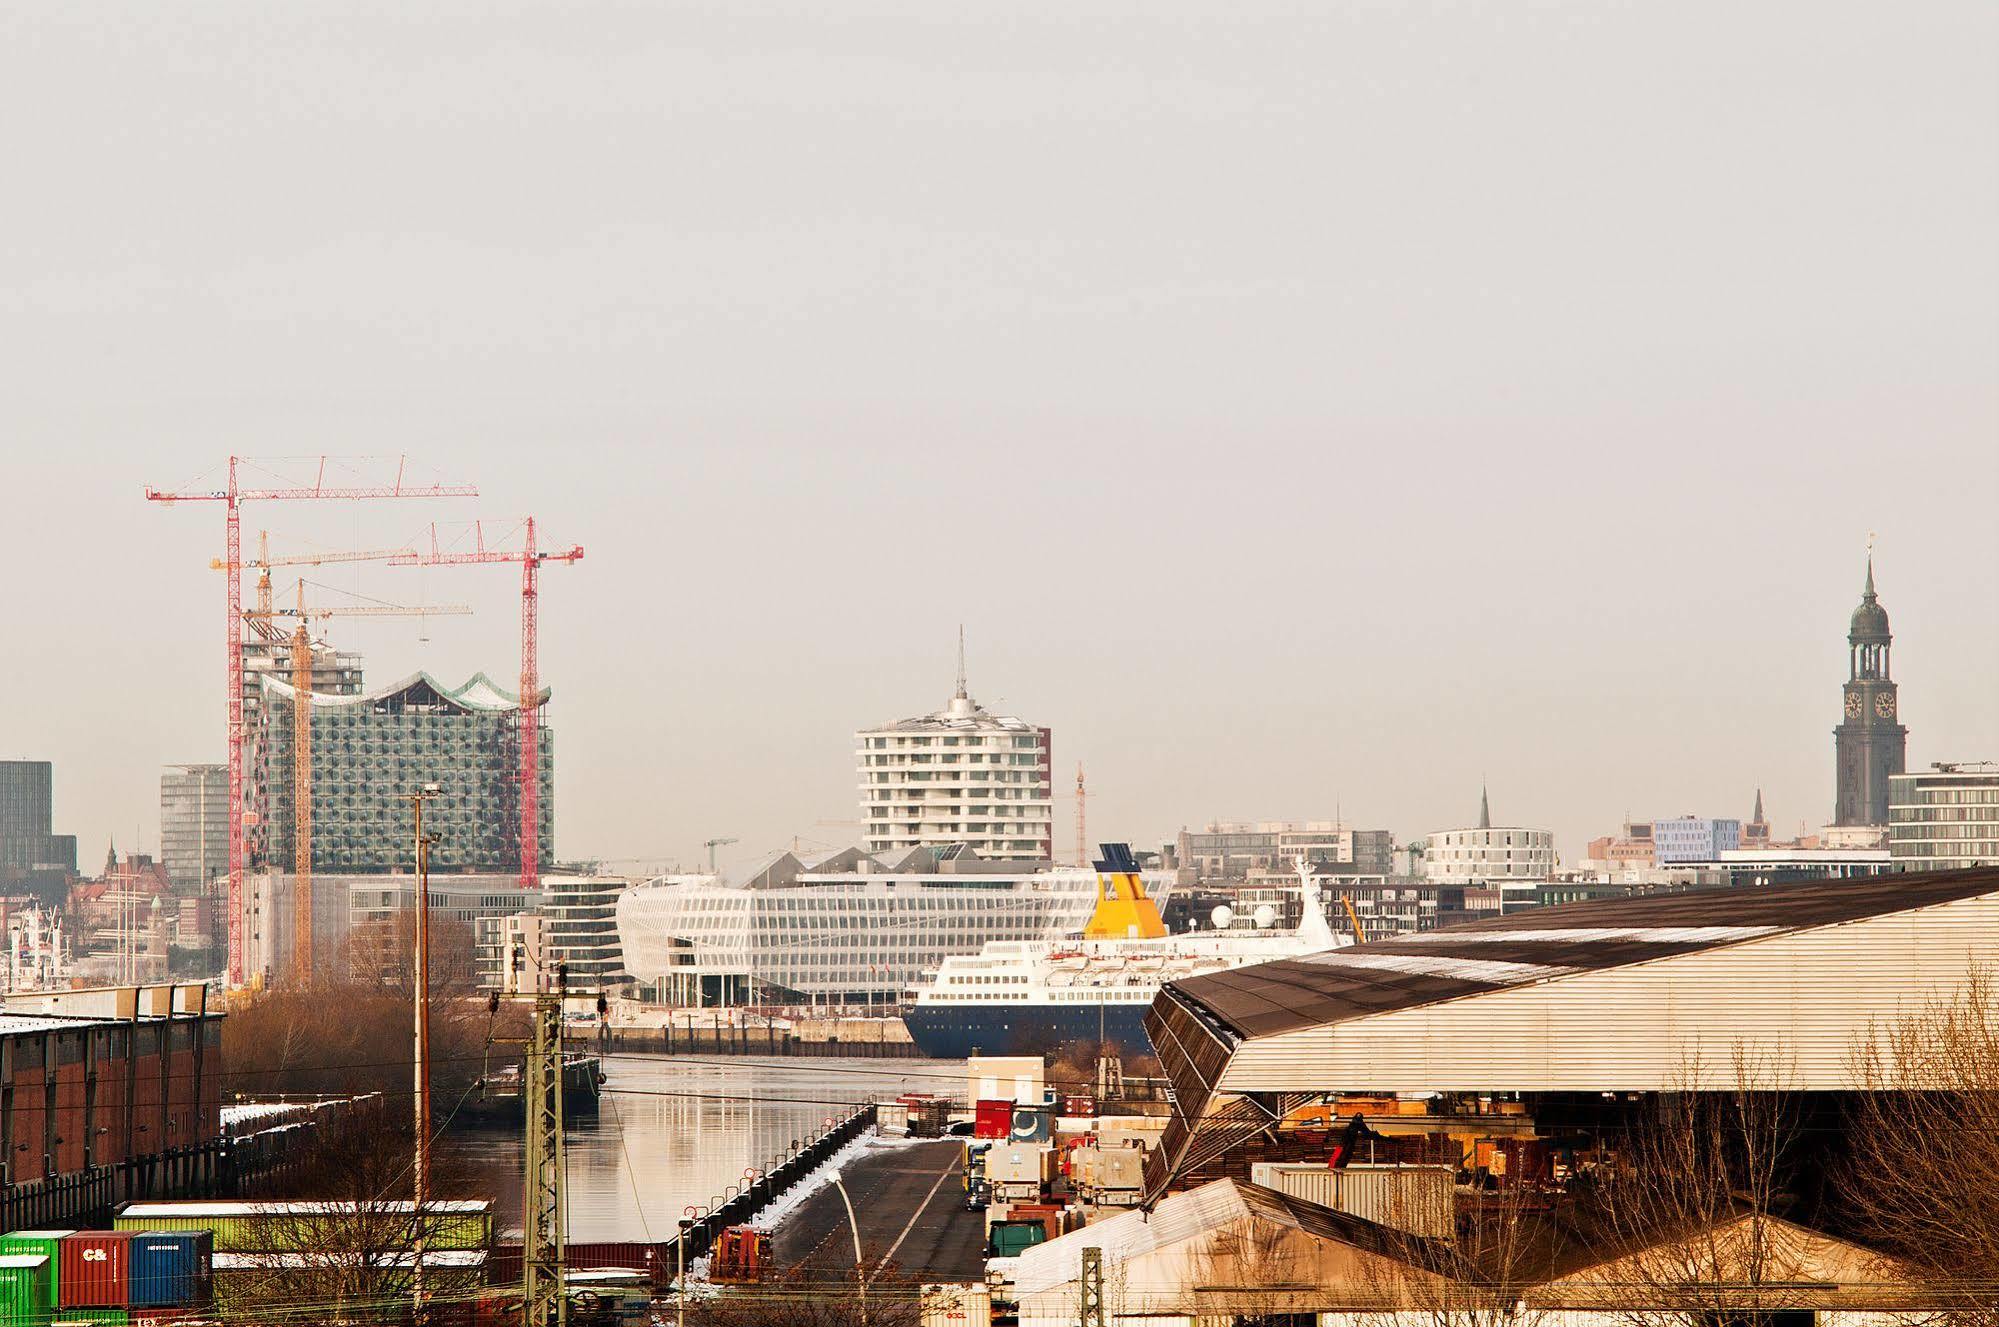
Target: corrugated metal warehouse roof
1617	995
1427	967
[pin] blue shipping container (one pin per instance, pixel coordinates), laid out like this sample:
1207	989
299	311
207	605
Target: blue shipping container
172	1270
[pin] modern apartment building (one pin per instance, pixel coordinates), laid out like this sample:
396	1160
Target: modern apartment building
1944	817
573	932
194	825
1250	850
1694	839
959	776
371	751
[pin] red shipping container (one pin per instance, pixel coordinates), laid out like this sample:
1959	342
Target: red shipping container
992	1119
96	1270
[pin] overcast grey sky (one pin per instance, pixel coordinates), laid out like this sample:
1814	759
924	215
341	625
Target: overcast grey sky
1300	405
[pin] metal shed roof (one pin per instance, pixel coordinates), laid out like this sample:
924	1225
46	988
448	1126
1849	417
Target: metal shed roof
1639	994
1427	967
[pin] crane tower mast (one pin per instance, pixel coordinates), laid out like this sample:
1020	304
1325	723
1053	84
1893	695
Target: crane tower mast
232	496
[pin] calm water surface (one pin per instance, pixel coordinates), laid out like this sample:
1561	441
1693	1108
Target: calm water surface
672	1132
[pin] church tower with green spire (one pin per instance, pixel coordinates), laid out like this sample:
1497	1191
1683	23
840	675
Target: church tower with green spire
1870	744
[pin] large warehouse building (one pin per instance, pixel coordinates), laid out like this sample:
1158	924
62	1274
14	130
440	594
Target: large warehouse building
105	1095
1639	995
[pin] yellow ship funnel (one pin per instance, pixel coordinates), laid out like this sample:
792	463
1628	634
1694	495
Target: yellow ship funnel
1123	911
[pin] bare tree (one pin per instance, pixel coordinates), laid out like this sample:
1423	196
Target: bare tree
808	1298
346	1240
1922	1168
384	952
1500	1248
1694	1203
350	1037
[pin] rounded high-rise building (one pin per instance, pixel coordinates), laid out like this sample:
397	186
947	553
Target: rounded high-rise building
959	775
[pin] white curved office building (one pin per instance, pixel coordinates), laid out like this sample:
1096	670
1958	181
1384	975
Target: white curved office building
848	930
1488	853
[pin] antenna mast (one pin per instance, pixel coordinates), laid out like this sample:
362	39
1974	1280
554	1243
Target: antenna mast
1082	836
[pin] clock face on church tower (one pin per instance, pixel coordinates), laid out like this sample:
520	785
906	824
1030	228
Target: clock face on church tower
1853	704
1884	705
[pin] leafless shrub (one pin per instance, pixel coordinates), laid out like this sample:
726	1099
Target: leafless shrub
1922	1171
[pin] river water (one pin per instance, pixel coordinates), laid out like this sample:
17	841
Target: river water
676	1131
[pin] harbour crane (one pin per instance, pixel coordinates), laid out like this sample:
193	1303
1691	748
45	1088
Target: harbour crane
530	555
711	845
301	661
278	488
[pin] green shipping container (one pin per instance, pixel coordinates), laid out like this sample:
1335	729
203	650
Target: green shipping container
1013	1238
45	1242
282	1227
25	1293
91	1317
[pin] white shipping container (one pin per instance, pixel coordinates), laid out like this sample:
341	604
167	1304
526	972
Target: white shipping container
1012	1164
1418	1199
957	1305
1015	1078
1121	1169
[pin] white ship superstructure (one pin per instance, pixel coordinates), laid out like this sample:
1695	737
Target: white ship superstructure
850	930
1025	998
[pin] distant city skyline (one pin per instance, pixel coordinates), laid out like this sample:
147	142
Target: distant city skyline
1301	409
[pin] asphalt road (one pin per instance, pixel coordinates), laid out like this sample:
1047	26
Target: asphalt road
910	1204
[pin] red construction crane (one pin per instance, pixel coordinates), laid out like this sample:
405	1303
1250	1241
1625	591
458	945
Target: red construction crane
530	556
232	496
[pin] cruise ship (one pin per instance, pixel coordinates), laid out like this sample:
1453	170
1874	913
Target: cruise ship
852	929
1032	997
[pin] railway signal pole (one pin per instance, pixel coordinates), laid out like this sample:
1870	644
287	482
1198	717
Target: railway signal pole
544	1301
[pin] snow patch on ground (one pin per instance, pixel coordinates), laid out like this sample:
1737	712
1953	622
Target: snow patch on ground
794	1197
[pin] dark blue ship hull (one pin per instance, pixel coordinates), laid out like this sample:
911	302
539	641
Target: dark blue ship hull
953	1032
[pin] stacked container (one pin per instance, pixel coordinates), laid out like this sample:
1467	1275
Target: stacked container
48	1243
94	1270
172	1269
25	1290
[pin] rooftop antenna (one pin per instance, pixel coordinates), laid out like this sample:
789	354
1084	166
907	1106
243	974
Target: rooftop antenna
960	693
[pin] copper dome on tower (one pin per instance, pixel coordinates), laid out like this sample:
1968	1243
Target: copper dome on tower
1870	620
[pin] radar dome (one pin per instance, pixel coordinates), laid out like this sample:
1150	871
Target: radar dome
1266	917
1221	917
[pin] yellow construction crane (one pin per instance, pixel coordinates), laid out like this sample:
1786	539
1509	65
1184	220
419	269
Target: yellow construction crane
1353	920
260	617
301	661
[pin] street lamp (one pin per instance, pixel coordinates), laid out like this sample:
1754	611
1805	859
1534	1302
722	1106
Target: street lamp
420	954
860	1268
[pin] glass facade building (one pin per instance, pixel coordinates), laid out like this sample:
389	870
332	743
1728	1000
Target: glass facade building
370	752
194	824
27	815
1944	818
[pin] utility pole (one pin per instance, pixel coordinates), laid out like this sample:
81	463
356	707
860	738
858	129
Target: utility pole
420	947
544	1302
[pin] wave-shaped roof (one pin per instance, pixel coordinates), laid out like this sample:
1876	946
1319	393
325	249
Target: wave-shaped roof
477	695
